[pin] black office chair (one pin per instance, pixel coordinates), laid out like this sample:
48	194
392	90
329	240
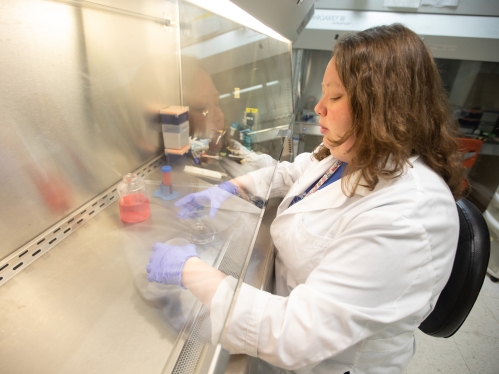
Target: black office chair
466	279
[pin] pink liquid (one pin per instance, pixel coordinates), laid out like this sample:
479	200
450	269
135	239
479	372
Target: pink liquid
134	208
167	179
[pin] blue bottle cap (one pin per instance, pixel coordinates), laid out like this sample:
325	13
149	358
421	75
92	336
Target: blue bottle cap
166	168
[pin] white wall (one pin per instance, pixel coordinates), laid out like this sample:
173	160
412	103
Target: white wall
465	7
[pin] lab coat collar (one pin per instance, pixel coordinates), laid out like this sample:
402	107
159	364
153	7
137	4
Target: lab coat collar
383	182
330	196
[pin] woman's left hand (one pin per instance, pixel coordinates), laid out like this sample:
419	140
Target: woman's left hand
167	262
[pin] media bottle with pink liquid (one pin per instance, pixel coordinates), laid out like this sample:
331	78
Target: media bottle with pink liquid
134	204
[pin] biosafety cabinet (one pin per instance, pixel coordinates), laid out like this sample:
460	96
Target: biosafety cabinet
84	87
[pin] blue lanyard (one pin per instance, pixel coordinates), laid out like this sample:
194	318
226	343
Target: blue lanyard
332	178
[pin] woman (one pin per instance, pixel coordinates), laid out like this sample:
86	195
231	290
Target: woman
362	259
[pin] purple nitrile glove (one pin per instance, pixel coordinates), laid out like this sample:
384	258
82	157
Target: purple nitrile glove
167	261
214	196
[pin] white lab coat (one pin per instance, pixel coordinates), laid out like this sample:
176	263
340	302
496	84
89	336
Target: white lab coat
354	276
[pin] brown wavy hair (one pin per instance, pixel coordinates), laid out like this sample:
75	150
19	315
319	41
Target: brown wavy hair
399	107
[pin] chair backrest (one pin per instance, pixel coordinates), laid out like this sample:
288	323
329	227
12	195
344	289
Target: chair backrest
467	276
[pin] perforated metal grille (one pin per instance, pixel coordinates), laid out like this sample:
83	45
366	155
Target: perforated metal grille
193	347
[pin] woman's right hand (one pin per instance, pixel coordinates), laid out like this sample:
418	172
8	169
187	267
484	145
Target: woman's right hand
213	196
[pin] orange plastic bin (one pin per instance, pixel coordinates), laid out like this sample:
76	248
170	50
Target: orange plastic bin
470	148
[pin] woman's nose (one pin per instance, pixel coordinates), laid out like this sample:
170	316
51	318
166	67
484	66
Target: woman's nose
319	108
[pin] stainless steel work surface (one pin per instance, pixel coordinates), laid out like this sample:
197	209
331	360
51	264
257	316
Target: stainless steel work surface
86	305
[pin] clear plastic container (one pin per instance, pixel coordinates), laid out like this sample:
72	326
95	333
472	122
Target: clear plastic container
134	204
198	230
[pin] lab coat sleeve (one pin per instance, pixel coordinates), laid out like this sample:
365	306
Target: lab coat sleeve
257	183
376	272
254	303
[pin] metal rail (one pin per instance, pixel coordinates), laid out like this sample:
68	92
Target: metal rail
33	250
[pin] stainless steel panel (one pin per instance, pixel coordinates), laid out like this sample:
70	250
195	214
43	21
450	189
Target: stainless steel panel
80	95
